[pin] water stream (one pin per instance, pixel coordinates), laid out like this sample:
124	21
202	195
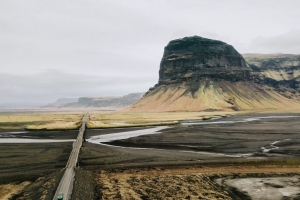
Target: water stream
21	137
9	137
102	139
28	140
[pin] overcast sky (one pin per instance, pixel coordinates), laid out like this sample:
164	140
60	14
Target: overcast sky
54	48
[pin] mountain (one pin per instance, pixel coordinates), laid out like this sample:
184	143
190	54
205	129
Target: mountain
200	74
275	66
109	103
60	102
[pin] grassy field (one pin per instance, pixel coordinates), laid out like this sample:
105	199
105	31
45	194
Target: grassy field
121	120
36	120
47	120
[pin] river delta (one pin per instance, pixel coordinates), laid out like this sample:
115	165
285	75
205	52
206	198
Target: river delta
234	149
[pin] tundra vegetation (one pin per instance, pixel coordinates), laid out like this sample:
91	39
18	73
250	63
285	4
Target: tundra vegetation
101	119
40	120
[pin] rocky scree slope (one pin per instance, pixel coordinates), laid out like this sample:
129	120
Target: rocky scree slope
200	74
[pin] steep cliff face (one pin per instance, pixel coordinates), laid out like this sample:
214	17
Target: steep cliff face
275	66
192	58
281	71
199	74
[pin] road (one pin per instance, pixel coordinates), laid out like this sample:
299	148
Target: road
66	184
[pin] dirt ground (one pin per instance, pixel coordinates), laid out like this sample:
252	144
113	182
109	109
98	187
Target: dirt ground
8	190
39	119
227	138
84	185
179	182
31	157
182	162
39	164
231	142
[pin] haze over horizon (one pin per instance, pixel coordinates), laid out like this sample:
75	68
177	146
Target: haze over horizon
56	49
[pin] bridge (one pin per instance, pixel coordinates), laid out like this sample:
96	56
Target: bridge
65	186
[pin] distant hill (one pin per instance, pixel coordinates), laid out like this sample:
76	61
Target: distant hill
200	74
60	102
105	103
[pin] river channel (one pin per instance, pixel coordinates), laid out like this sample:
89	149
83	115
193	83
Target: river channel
107	139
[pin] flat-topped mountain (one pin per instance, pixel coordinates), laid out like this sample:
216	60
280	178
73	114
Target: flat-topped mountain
200	74
191	58
105	103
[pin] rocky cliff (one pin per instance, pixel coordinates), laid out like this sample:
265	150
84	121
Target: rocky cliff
192	58
199	74
275	66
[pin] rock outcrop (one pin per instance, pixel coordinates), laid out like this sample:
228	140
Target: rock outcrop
192	58
275	66
199	74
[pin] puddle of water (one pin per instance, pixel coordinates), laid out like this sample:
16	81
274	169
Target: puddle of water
15	132
269	188
271	147
25	140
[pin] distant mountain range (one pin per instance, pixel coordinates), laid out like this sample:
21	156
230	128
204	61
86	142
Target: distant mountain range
105	103
60	102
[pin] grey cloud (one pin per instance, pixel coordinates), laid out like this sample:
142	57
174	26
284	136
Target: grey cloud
284	43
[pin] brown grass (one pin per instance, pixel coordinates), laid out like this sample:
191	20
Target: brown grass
95	125
121	120
8	190
40	120
182	182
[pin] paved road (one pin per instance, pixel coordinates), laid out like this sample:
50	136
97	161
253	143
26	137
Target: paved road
66	184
